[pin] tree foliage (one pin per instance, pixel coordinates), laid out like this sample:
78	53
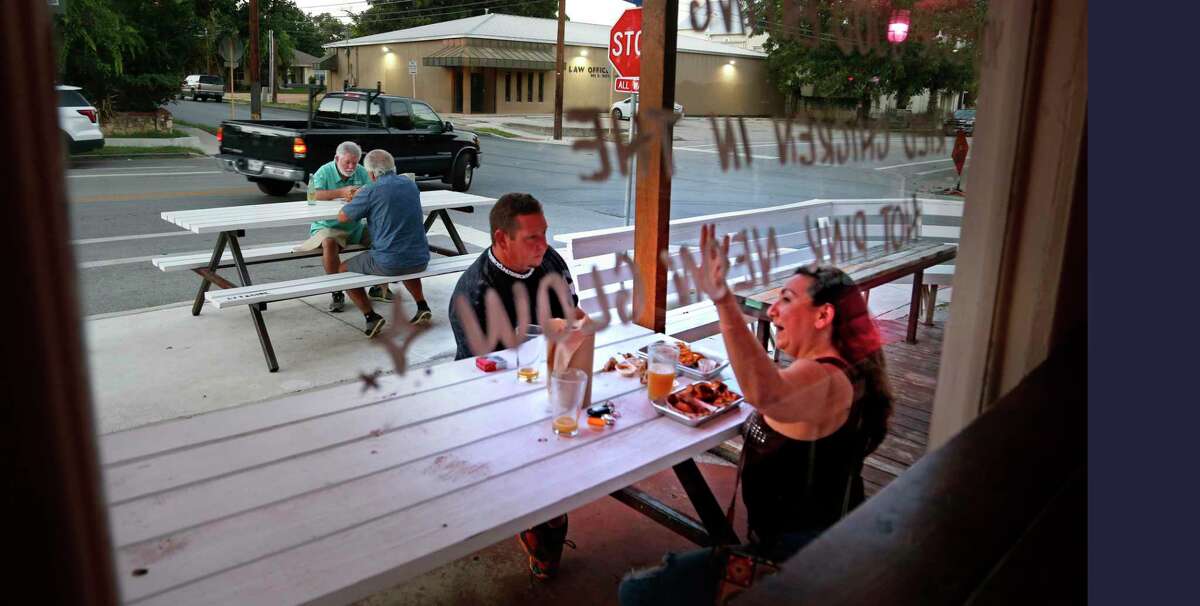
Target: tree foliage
120	51
840	48
389	15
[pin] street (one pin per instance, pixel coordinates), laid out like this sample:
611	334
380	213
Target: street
115	203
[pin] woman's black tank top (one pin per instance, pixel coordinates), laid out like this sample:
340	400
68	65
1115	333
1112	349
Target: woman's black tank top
802	485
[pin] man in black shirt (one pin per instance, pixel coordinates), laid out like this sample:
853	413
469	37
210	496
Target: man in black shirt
519	253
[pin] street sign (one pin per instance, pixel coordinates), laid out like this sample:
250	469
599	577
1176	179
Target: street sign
625	50
960	151
230	50
412	67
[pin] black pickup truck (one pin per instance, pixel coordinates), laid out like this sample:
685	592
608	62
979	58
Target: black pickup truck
276	154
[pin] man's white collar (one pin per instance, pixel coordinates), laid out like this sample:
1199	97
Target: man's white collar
506	270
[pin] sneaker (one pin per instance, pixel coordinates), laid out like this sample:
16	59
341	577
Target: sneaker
375	323
338	303
544	544
423	317
380	293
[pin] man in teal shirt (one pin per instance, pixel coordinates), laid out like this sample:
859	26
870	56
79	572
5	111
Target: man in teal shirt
341	178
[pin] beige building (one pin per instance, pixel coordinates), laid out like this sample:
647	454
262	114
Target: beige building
505	64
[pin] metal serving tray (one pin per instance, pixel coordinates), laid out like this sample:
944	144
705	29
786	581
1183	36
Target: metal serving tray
694	373
666	409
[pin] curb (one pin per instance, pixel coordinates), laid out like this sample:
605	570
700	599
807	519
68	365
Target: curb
197	154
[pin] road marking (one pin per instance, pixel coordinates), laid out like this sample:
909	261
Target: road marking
714	151
167	194
123	168
109	262
202	172
913	164
131	237
940	170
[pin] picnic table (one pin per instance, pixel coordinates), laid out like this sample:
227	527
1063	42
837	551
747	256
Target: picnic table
330	495
881	265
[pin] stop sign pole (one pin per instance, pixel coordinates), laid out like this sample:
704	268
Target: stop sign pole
625	55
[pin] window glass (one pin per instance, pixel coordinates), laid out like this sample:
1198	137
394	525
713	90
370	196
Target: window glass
541	86
354	109
508	86
399	116
211	80
71	98
529	94
424	118
520	84
330	107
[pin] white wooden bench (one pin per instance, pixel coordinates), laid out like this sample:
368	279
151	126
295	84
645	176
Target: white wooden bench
258	295
267	253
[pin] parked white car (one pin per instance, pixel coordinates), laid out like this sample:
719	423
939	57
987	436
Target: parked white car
78	120
621	110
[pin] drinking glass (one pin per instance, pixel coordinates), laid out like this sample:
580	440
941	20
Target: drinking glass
312	196
529	352
660	369
567	386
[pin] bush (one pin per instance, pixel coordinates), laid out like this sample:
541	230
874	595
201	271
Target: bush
144	92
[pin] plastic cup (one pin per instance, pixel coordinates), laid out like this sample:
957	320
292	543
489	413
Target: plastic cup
566	398
660	369
529	352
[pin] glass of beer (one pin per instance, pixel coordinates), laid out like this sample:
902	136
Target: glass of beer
567	386
660	369
529	351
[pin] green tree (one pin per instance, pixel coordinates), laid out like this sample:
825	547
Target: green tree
840	48
330	29
388	15
126	54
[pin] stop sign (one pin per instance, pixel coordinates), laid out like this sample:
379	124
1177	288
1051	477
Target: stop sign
625	46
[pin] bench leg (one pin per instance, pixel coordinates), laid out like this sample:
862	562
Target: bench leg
720	530
914	307
264	339
662	513
218	250
931	303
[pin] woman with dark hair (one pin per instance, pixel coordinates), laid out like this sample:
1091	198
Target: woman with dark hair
813	424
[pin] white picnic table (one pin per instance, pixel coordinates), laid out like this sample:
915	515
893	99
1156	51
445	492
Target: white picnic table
330	495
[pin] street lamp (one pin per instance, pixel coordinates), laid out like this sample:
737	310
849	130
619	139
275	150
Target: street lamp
897	31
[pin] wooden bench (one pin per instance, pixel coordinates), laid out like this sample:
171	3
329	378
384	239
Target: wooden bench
599	248
261	294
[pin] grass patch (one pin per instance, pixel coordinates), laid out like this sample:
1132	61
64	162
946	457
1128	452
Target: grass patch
121	150
495	131
212	130
151	134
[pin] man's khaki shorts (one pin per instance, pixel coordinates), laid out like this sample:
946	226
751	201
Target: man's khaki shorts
342	236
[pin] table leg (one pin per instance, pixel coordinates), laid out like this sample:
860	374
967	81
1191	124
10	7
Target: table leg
460	248
218	250
720	531
662	513
931	298
914	307
763	327
264	338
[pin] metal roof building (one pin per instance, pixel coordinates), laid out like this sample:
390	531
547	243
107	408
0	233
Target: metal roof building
505	64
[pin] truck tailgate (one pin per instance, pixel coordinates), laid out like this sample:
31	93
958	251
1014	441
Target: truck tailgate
259	141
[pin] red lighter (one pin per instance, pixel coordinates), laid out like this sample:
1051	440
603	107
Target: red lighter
490	363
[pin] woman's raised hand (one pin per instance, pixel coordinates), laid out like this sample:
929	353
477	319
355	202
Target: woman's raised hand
714	263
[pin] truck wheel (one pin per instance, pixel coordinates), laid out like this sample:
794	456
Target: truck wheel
272	187
462	173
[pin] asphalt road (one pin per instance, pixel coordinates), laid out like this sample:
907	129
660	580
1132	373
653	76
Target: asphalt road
115	203
212	113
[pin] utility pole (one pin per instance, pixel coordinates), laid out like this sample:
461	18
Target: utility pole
253	64
271	65
558	70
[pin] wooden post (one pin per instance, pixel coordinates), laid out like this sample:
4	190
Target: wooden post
53	499
653	213
558	70
255	83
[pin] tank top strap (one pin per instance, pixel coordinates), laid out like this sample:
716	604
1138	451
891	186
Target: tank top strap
840	363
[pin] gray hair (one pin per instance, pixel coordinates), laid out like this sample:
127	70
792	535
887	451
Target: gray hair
379	163
349	148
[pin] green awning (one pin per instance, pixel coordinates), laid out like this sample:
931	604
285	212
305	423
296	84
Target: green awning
487	56
328	63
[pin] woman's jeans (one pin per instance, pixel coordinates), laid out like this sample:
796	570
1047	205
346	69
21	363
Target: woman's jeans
691	577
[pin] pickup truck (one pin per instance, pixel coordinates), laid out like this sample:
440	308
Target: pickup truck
277	154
